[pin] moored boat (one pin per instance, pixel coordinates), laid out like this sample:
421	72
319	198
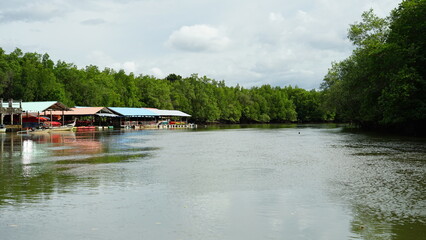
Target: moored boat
61	128
68	127
85	128
2	128
34	131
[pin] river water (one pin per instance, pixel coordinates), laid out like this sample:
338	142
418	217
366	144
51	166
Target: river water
254	182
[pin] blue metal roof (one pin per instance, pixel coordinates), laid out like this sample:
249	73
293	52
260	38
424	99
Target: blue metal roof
133	112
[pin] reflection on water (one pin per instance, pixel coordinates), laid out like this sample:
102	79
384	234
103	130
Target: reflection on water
384	181
234	182
34	166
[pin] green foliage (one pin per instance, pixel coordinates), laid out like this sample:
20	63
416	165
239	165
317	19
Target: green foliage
383	83
308	104
34	77
372	30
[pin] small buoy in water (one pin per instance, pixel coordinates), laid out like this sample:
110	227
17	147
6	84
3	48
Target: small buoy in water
299	132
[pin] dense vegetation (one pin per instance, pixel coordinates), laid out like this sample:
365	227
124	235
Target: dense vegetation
381	85
34	77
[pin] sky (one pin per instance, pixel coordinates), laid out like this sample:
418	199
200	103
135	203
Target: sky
245	42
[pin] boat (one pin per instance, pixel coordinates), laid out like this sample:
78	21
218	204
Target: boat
61	128
85	128
39	131
34	131
68	127
162	123
2	128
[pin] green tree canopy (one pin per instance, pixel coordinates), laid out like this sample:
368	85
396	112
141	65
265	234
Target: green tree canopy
382	84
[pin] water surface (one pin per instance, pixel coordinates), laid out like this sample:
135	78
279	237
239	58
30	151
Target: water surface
274	182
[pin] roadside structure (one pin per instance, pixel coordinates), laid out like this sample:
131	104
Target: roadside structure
33	114
172	118
89	116
135	117
169	113
38	109
10	109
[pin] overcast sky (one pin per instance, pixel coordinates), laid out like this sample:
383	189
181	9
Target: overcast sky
250	42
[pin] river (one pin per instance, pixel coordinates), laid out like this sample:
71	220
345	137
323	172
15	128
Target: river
240	182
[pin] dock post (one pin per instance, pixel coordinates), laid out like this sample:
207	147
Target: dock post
20	113
11	110
2	113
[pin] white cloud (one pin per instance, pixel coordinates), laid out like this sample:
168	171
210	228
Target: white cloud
128	67
32	11
93	21
198	38
102	60
157	72
250	42
275	17
99	58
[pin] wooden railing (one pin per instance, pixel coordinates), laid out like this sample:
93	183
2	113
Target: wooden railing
11	104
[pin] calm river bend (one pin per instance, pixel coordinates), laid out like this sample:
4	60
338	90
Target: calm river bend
256	182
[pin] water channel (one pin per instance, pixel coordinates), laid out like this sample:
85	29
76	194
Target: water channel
241	182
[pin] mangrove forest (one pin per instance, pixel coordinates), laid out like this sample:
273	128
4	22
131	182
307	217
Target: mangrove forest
381	85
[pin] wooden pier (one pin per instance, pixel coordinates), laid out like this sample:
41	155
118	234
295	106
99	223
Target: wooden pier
9	110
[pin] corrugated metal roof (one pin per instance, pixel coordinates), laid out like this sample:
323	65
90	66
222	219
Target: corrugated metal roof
169	113
133	112
107	115
84	111
43	106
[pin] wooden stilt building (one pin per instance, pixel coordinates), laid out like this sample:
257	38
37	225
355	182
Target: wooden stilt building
10	114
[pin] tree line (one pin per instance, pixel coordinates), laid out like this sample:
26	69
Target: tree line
381	85
35	77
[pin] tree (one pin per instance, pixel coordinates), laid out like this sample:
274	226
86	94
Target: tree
371	31
382	84
34	77
307	104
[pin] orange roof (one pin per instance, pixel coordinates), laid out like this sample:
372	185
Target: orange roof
81	111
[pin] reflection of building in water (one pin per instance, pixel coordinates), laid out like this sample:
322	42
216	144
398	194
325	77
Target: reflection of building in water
20	147
34	110
9	146
79	145
28	150
31	148
34	148
28	154
32	167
